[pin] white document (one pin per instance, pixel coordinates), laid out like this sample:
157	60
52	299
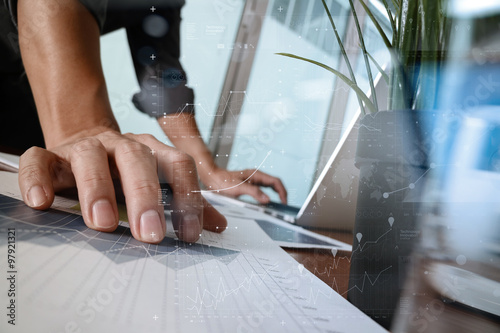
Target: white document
9	162
283	233
60	276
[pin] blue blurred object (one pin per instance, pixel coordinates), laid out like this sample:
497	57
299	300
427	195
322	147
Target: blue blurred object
455	285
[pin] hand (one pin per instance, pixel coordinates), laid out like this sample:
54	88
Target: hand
90	163
183	132
236	183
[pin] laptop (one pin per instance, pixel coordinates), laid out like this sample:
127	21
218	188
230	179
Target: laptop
331	202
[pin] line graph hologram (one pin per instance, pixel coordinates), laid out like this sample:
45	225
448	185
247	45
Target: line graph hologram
55	228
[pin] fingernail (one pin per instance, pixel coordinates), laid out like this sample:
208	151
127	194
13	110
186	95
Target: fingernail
103	215
36	196
151	226
190	230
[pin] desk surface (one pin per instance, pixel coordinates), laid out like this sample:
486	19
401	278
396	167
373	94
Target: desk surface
334	271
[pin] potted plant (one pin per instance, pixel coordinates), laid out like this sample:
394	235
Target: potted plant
391	154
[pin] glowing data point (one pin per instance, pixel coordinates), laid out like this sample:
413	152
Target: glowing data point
359	236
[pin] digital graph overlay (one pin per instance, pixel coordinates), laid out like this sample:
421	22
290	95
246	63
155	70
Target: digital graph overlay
52	228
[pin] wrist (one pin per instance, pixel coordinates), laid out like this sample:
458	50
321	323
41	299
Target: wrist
62	123
60	137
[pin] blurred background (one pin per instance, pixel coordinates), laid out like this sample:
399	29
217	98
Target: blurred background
250	101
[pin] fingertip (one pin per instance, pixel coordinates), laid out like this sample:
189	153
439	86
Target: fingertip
36	197
284	199
263	198
151	227
104	216
280	188
213	220
190	228
221	225
221	221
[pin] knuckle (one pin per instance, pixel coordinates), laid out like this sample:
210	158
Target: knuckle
144	137
130	136
33	151
30	155
94	180
86	145
181	158
129	147
145	188
29	173
109	135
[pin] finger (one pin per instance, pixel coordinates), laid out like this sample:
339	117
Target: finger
212	219
89	163
263	179
35	180
254	191
138	173
179	170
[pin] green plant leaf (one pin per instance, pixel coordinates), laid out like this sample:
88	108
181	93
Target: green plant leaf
400	24
339	41
380	69
377	24
368	103
398	95
342	50
391	20
365	57
396	4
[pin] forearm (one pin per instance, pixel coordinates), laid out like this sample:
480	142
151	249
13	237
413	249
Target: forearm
181	129
63	65
62	62
183	132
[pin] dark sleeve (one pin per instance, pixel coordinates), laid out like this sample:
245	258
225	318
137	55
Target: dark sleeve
96	7
12	7
155	53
